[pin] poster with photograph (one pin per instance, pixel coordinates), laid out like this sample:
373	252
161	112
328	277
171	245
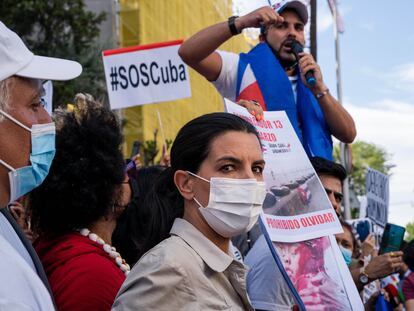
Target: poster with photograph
319	274
296	206
298	220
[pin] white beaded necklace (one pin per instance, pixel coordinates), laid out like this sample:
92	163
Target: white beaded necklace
110	250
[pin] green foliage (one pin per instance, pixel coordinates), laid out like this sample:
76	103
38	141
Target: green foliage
409	231
60	28
365	155
150	149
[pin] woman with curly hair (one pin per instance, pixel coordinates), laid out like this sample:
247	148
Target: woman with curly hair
75	210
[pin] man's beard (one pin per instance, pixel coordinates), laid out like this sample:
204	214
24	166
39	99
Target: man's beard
285	63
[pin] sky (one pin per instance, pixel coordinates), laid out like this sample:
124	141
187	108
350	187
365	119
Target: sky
377	65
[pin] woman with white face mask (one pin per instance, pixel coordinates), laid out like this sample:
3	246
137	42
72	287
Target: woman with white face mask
213	191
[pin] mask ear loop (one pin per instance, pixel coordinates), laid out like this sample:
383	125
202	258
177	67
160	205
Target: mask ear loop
14	120
195	175
7	165
198	203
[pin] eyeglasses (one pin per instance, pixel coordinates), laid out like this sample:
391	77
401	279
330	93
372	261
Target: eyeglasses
337	195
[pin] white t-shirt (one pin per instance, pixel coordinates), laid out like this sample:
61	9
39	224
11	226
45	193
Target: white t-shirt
20	287
226	82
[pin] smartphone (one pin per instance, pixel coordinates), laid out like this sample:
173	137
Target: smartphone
363	228
392	238
135	148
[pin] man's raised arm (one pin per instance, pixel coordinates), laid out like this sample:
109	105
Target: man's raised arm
199	50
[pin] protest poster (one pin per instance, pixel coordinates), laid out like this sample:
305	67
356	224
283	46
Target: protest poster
298	220
145	74
296	207
377	189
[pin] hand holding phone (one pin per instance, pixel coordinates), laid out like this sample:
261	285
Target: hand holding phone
392	238
135	148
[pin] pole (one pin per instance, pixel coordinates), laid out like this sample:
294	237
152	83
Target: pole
343	147
116	7
313	29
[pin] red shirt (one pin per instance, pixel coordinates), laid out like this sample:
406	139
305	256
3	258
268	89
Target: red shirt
408	287
81	274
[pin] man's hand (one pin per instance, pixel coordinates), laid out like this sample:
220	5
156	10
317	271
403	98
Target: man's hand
306	63
137	159
339	121
368	246
383	265
165	157
253	107
261	17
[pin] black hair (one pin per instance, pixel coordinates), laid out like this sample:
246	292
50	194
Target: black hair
323	166
356	252
131	233
86	173
190	148
408	255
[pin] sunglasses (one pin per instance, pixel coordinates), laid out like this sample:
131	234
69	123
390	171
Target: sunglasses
337	195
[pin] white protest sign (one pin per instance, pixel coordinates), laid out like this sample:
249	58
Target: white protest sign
377	188
296	207
48	96
145	74
299	220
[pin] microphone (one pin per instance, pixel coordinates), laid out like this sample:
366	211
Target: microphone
296	49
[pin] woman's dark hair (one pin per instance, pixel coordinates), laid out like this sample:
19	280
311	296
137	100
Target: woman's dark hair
131	230
408	255
86	173
190	148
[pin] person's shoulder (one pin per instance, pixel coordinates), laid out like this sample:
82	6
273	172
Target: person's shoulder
228	58
7	304
26	288
173	251
91	267
409	280
97	262
259	254
227	54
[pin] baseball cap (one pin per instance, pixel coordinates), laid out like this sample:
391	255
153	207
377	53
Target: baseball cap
17	59
295	5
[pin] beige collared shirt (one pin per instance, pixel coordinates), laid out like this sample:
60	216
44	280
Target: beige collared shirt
185	272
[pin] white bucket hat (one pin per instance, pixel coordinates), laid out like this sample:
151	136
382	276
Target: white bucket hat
16	59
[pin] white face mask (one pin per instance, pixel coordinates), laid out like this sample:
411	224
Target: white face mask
234	204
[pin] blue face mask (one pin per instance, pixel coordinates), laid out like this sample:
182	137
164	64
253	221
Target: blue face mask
347	254
25	179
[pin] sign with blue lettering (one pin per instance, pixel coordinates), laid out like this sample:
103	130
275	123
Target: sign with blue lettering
377	187
145	74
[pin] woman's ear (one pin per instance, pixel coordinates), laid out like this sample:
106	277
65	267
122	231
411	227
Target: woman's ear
184	184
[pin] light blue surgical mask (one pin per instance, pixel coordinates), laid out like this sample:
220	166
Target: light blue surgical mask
25	179
347	254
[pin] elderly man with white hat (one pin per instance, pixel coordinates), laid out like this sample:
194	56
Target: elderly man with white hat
27	148
275	75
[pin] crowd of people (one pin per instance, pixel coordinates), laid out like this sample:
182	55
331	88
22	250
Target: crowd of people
80	229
